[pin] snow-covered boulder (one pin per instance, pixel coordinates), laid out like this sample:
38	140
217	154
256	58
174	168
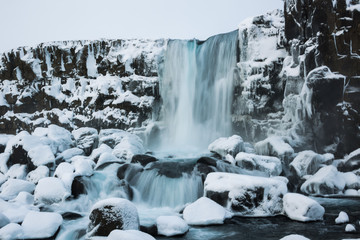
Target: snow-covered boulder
204	211
274	146
112	137
4	220
128	147
231	145
96	153
4	139
246	195
66	155
30	150
351	162
270	166
83	166
171	226
15	210
86	139
11	231
107	158
12	187
17	171
50	190
110	214
24	198
325	181
350	228
41	224
352	181
306	163
301	208
129	235
342	218
35	175
63	169
143	159
294	237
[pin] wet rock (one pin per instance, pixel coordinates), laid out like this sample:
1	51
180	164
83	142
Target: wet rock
208	161
174	169
110	214
128	171
150	229
71	215
78	187
143	159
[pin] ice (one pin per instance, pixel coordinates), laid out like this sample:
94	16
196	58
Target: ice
50	190
274	146
307	163
12	187
231	145
342	218
204	211
41	224
294	237
35	175
246	195
11	231
129	235
271	166
301	208
350	228
171	226
326	181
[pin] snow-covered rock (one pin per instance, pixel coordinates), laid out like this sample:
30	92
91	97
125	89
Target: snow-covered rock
12	187
274	146
64	168
231	145
112	137
41	224
103	148
350	228
306	163
351	161
204	211
61	137
294	237
301	208
271	166
83	166
110	214
11	231
50	190
128	147
129	235
66	155
107	158
342	218
23	198
28	149
246	195
171	226
86	139
352	181
325	181
17	171
16	209
35	175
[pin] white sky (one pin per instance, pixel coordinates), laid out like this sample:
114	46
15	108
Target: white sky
29	22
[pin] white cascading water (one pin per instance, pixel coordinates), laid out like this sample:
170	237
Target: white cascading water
196	87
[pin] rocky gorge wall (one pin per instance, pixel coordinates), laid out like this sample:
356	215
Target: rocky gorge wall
297	76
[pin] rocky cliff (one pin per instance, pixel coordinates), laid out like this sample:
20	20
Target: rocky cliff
102	84
297	76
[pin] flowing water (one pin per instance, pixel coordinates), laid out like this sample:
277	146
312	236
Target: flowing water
196	87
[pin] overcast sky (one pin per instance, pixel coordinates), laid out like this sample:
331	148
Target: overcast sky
29	22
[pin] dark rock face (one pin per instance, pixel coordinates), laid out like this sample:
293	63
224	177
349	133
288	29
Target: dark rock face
173	169
327	34
31	73
78	187
128	171
143	159
20	156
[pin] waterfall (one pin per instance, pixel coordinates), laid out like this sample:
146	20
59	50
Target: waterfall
196	86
